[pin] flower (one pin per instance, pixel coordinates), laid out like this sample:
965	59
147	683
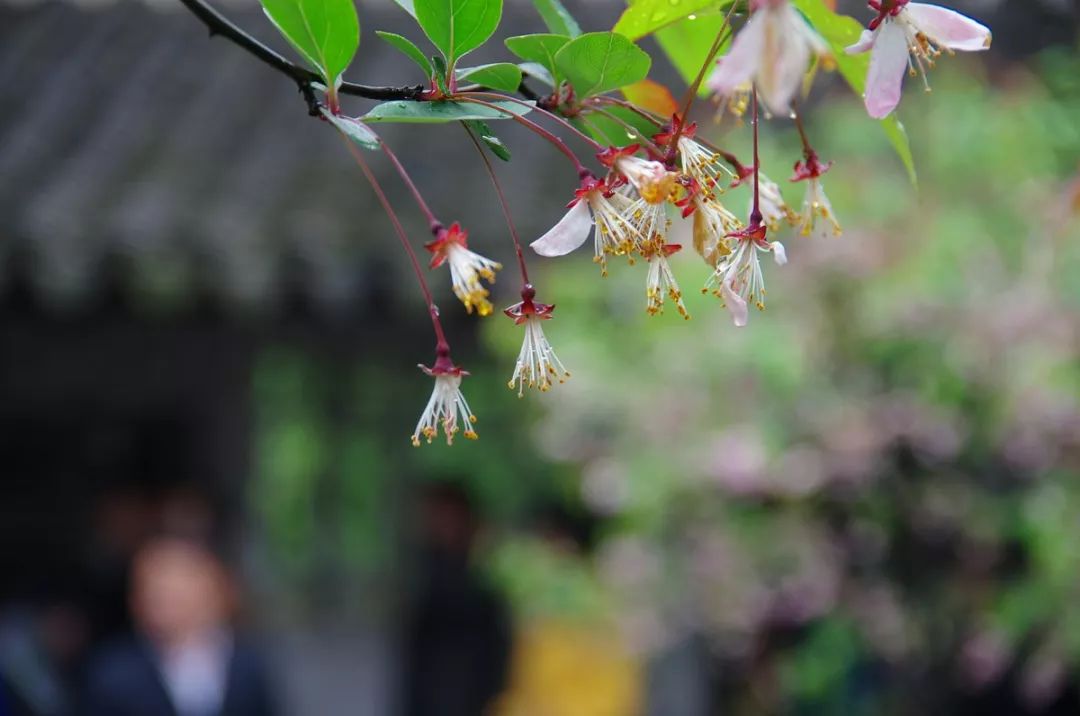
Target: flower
701	172
772	51
773	207
910	35
466	267
737	278
660	281
817	216
652	181
537	365
447	405
623	224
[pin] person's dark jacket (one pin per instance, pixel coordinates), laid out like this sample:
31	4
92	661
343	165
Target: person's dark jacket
124	680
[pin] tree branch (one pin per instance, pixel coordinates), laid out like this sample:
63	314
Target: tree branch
218	24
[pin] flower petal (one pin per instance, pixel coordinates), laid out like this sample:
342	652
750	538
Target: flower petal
783	69
948	27
865	43
888	64
735	304
568	234
742	61
779	253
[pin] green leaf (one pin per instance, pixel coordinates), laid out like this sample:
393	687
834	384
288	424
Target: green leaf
687	42
539	48
557	18
484	134
354	129
644	17
841	31
458	27
601	61
500	75
407	48
443	111
326	33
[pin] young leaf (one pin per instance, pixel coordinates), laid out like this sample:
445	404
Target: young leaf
500	75
652	96
647	16
557	18
598	62
326	33
443	111
354	129
407	48
457	27
840	31
484	134
539	48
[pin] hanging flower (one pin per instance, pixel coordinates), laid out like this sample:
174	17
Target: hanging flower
737	278
910	36
660	282
817	219
466	267
651	179
773	51
623	224
702	172
537	365
774	209
447	407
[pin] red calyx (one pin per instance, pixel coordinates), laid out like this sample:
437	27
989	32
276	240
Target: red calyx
443	238
811	167
520	312
667	133
609	155
885	9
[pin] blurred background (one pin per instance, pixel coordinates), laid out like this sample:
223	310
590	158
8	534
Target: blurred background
866	502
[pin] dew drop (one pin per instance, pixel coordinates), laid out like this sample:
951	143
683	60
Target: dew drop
691	17
792	115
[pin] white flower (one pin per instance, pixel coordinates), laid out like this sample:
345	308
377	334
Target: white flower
537	365
738	279
466	268
653	182
660	282
773	51
446	407
623	225
817	219
910	36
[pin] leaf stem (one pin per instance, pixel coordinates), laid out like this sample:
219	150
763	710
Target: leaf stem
441	344
502	202
537	129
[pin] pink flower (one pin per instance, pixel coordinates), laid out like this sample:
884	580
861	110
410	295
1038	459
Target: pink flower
772	51
911	35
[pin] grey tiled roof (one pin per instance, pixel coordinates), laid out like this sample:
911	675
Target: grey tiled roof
130	139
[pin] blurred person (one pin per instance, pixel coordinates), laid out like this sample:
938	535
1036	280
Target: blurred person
568	663
185	659
457	629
